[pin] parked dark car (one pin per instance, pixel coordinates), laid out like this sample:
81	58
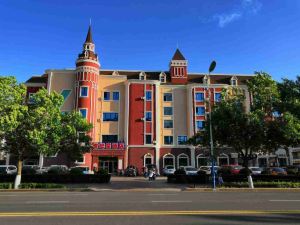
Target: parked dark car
274	171
29	169
131	171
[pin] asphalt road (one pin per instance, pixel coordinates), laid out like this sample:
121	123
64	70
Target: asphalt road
142	208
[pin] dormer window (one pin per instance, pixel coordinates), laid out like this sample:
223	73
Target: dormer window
162	77
206	80
142	76
115	73
233	81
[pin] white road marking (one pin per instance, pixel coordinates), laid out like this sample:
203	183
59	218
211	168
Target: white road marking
170	201
47	202
284	200
160	194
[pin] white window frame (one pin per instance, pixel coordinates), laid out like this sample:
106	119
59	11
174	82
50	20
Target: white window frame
87	91
234	79
199	93
162	77
171	156
199	106
147	156
223	156
168	136
109	121
178	139
169	127
200	156
112	99
87	110
146	95
142	76
109	96
196	128
183	155
168	107
146	116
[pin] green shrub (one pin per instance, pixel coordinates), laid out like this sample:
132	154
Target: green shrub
259	184
6	185
40	186
76	171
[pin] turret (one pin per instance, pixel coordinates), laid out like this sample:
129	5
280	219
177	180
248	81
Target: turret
178	68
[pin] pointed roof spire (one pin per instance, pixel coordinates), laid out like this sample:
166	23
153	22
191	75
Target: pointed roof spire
89	38
178	55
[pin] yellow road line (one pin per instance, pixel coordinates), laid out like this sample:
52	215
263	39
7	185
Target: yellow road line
146	213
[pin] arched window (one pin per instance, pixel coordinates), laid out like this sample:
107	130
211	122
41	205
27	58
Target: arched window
233	81
206	80
223	159
162	77
202	160
168	160
142	76
182	160
148	159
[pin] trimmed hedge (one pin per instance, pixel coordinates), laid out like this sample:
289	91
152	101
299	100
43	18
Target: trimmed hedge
204	179
32	186
259	184
53	178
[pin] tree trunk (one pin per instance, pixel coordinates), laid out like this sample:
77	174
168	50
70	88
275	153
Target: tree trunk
248	173
18	177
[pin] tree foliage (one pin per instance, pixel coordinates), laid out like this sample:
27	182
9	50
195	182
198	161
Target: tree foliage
38	127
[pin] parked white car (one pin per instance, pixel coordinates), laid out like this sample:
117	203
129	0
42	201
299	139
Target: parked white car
207	169
189	170
8	169
168	170
256	170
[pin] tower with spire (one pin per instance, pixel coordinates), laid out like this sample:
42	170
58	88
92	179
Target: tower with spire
178	68
86	85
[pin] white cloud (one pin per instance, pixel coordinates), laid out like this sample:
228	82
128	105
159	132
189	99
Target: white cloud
225	19
245	7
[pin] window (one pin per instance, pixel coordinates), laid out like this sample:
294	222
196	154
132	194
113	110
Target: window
106	96
147	159
162	78
84	91
233	82
31	97
168	111
199	125
142	76
109	138
148	95
218	97
182	140
168	140
110	116
168	123
169	160
65	94
148	116
168	97
200	111
148	139
83	112
199	97
183	160
116	96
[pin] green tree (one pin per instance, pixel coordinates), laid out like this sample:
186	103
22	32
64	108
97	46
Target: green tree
38	127
264	93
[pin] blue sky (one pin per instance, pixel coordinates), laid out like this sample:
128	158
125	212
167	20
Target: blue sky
243	36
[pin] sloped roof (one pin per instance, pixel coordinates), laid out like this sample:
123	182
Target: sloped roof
178	55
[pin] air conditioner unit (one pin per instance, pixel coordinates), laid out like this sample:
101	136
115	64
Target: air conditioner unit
143	97
154	142
143	118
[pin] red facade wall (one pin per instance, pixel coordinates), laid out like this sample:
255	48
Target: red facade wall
136	112
136	156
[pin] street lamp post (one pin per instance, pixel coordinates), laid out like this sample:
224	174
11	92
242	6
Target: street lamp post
211	68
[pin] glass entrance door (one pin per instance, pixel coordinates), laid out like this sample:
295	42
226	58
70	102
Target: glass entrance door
109	164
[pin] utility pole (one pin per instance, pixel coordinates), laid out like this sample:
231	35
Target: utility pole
211	68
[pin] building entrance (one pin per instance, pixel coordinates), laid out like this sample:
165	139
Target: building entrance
110	164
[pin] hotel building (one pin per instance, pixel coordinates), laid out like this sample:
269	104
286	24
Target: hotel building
138	117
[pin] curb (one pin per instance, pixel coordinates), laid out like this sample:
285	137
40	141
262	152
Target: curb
243	190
